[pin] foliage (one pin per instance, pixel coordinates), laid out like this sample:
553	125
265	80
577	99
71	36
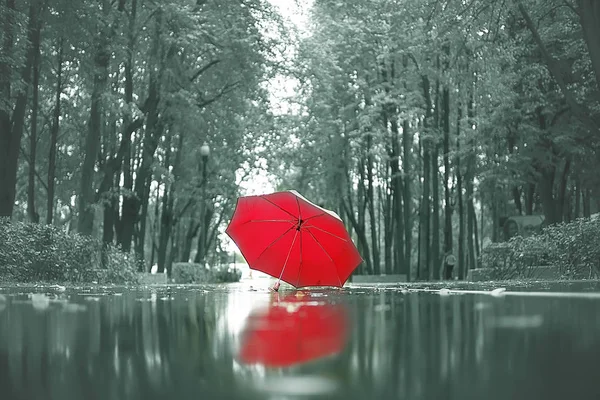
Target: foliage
121	268
184	273
572	248
46	253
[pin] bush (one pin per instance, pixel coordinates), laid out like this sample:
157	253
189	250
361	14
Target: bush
121	268
184	273
45	253
573	248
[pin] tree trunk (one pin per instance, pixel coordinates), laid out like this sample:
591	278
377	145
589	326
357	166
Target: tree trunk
190	233
7	181
31	210
529	198
589	17
546	192
372	216
472	252
435	187
124	227
168	220
54	135
586	200
406	194
448	207
397	209
577	200
11	128
459	195
95	124
388	226
580	111
425	260
136	209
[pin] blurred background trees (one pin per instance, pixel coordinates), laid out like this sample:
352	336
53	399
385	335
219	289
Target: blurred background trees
424	124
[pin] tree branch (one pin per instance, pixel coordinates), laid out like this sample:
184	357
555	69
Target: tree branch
224	90
577	109
204	69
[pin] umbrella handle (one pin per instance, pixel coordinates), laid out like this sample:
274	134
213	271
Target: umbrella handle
278	283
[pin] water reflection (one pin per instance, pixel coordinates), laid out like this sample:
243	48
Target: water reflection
295	329
356	344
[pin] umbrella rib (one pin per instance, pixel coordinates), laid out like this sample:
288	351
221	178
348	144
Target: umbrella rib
324	231
299	212
269	220
314	216
326	253
288	254
301	265
274	241
276	205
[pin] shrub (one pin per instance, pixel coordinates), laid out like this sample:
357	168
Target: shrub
184	273
45	253
189	273
572	248
121	268
225	274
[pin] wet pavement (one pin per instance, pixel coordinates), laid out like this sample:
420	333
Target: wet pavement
531	341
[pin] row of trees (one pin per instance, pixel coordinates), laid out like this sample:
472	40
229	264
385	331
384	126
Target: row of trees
104	106
425	122
422	123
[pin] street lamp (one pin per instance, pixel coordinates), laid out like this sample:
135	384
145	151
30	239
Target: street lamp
201	256
204	151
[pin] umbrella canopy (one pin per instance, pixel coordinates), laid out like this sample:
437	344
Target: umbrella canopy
290	238
294	330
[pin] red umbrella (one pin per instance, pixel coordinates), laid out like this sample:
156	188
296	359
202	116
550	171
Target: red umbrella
295	330
290	238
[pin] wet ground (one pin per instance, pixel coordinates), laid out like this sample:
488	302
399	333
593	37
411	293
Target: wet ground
530	341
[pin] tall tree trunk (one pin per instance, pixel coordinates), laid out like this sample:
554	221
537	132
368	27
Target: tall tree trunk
87	194
577	200
189	234
589	17
7	187
388	225
136	207
166	227
586	200
472	252
406	194
435	187
459	195
31	209
128	204
11	128
397	208
448	207
580	111
425	260
168	220
372	216
115	164
530	191
54	135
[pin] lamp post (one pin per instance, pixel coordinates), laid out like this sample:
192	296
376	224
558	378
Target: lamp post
204	154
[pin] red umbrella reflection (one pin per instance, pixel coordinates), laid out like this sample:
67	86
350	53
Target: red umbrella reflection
294	330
